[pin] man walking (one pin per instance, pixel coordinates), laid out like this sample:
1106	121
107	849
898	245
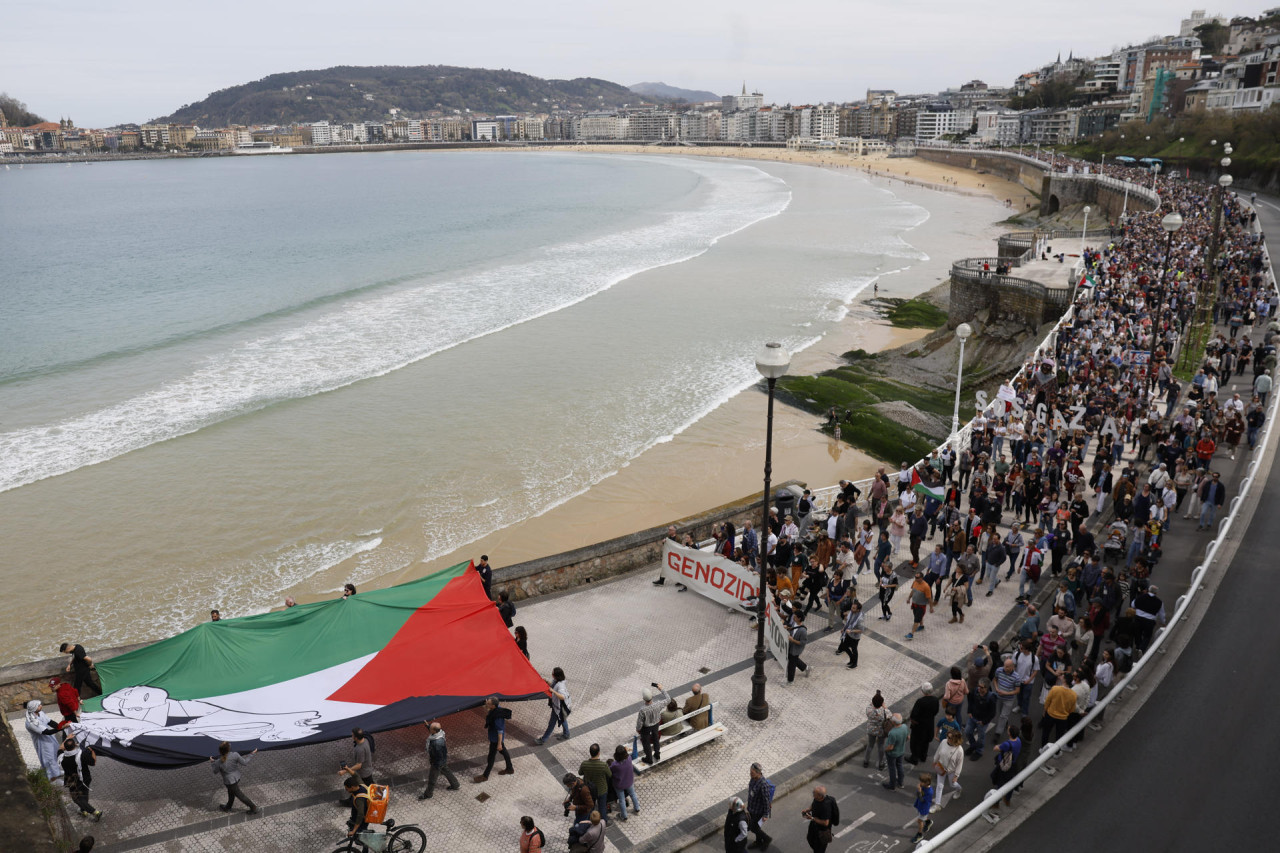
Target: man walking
438	757
495	723
823	814
647	722
1212	496
759	805
360	766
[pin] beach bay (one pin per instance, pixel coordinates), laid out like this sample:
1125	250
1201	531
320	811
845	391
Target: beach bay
579	409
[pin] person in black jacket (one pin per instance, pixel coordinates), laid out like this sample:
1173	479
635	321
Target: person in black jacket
982	710
923	714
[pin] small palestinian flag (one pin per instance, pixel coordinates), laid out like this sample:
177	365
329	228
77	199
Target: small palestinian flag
918	486
1087	280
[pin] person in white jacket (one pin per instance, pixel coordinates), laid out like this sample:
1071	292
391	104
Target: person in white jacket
948	761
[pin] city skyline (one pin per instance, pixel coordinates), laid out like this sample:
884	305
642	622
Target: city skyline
112	68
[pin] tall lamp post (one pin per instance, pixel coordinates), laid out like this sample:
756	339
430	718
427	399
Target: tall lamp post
1083	230
772	362
963	331
1155	173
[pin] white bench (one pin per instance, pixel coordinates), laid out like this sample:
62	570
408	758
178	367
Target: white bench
679	744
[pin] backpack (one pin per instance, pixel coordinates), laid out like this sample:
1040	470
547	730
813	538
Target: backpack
372	746
1005	762
542	839
378	796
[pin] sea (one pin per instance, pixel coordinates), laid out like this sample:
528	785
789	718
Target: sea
228	380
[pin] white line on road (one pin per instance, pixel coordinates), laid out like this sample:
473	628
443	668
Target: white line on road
1269	204
848	795
857	823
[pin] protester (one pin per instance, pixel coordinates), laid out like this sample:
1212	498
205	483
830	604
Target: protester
229	765
623	775
759	805
531	838
43	733
560	706
438	761
495	723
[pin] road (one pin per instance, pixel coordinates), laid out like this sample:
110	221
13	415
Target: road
1171	779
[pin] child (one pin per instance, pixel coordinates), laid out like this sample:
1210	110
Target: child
924	803
956	592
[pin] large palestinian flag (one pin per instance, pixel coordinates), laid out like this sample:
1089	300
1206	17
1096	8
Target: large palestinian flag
380	660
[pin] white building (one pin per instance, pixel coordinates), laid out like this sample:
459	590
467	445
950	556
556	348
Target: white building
754	101
321	133
935	121
1199	18
820	122
600	126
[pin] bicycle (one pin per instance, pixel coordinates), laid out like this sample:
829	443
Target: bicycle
405	838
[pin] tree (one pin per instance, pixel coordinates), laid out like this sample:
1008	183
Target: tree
16	112
1213	37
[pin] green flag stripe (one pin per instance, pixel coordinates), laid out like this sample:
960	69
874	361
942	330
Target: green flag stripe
210	659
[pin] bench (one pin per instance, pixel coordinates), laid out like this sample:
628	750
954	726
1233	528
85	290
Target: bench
678	744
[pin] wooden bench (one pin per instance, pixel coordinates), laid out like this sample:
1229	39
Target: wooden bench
678	744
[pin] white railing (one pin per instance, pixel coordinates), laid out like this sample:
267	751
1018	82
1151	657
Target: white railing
1050	751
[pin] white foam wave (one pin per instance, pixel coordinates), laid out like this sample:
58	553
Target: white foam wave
372	336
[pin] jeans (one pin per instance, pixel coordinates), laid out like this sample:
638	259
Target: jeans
493	753
1207	512
975	733
895	771
1024	583
995	577
1024	699
623	793
551	726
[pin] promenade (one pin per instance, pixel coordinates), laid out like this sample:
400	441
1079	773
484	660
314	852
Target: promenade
611	639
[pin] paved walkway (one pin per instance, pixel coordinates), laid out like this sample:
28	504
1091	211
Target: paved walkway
612	639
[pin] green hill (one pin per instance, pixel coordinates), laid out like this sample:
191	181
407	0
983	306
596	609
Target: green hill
360	93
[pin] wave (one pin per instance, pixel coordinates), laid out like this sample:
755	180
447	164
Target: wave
370	337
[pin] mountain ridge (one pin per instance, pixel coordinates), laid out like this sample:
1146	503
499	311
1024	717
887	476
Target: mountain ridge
662	90
346	93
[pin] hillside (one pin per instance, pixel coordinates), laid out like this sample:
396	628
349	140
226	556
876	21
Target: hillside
16	113
663	92
356	93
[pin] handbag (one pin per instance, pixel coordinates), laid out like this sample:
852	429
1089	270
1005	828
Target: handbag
825	836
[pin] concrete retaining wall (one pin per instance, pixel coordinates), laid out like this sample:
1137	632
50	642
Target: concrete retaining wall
1011	167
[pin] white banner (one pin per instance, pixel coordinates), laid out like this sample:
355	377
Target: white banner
776	636
721	580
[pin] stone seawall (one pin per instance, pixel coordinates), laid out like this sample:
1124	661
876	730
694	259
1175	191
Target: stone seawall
1011	167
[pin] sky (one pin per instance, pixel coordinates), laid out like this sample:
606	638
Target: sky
104	63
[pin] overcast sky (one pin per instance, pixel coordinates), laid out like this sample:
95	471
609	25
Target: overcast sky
107	62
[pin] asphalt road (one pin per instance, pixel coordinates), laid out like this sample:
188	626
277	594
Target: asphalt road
1176	777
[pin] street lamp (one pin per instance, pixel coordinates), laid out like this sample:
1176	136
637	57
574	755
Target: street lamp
1170	224
1084	229
772	362
1155	173
963	331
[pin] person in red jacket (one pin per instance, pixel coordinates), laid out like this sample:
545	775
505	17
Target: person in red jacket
68	699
